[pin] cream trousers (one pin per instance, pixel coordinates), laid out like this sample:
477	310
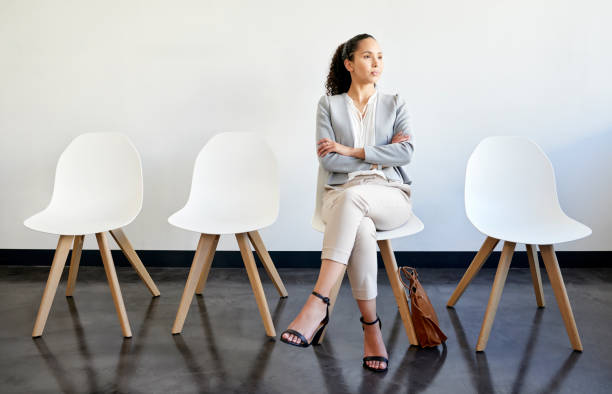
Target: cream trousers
352	213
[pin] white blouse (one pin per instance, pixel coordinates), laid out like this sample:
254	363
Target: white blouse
364	133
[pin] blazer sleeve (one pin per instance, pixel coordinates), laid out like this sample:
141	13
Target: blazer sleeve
400	153
334	162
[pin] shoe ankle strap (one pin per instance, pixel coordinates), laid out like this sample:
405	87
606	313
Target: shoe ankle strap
325	299
369	323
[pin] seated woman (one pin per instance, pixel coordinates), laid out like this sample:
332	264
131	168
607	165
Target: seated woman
363	139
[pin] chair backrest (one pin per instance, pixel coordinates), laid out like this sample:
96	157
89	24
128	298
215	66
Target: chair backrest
509	180
100	171
322	177
237	171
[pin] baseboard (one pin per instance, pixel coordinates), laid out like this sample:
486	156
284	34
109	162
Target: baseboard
299	259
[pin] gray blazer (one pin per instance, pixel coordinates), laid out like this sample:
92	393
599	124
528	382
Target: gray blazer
391	117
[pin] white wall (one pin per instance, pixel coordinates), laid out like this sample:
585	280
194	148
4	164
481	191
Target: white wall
170	74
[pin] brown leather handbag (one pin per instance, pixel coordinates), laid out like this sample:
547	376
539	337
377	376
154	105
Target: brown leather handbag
424	317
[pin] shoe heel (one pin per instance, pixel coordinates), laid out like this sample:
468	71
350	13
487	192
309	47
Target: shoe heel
317	337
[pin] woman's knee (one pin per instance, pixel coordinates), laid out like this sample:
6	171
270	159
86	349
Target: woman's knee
366	230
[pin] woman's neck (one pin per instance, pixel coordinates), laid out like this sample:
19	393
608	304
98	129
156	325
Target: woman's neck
361	93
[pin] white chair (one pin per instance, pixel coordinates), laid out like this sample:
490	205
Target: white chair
413	226
510	195
234	190
98	188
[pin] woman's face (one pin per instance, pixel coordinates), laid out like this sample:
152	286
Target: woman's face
367	64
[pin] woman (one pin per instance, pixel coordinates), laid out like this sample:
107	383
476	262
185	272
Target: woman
363	139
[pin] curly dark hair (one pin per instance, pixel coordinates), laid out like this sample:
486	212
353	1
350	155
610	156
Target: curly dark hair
339	78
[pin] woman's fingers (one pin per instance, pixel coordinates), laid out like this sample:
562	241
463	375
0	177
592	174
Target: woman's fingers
326	143
400	137
323	151
325	146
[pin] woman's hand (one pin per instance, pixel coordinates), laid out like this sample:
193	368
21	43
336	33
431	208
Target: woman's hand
400	137
325	146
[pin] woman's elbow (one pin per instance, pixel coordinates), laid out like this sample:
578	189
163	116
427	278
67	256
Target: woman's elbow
326	163
407	153
403	157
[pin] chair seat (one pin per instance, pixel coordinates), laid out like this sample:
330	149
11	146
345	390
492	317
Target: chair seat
208	219
412	226
552	230
78	221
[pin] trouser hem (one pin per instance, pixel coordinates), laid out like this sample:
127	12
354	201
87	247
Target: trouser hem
337	255
364	295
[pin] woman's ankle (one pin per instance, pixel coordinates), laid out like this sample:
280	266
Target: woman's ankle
368	310
315	302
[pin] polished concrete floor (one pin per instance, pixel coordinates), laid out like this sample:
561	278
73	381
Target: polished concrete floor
223	347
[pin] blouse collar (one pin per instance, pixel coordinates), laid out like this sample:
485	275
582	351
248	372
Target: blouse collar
370	100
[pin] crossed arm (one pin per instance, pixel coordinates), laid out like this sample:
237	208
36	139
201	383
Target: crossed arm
326	146
336	157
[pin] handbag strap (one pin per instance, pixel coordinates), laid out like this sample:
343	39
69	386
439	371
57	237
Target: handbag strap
408	273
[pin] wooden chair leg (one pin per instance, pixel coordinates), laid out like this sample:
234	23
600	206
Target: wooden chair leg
195	272
113	282
210	253
133	258
398	290
260	297
267	262
556	280
536	278
496	292
477	263
57	266
77	247
333	296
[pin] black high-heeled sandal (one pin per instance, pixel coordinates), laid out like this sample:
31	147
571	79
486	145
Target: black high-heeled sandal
317	336
374	358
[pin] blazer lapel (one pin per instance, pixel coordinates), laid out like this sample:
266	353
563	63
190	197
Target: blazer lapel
385	118
380	136
345	123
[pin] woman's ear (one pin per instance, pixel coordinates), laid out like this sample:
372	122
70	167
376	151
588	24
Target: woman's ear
348	65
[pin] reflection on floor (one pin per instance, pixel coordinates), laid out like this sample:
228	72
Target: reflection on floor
223	347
